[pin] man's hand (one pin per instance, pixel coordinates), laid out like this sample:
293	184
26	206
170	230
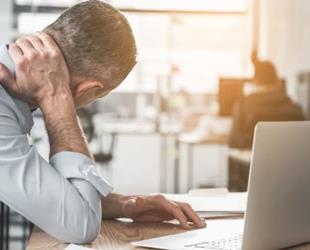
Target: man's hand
42	79
153	208
41	71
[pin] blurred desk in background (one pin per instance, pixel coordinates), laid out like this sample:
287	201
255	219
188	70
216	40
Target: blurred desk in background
141	149
122	126
220	140
213	130
172	168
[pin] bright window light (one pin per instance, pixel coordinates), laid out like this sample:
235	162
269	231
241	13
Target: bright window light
194	5
200	5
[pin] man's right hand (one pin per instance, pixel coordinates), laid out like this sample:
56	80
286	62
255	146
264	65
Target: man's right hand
41	71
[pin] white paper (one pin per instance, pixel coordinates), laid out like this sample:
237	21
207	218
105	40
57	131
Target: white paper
215	230
230	202
219	215
77	247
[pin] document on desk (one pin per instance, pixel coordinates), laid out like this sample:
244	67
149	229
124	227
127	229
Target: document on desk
77	247
220	215
230	203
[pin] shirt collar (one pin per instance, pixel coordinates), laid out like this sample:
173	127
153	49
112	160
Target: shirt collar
6	59
25	120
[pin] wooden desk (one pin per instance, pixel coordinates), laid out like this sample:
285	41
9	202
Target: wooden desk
115	235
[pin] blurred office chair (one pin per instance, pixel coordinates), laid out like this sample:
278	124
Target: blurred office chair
247	113
14	229
4	227
260	107
264	99
230	92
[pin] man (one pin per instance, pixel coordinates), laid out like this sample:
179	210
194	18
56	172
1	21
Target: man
264	99
82	56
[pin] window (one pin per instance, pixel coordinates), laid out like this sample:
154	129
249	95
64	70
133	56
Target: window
197	40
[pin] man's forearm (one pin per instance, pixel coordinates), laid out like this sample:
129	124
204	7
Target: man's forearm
113	206
64	131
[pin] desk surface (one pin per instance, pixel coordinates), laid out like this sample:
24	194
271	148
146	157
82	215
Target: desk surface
115	235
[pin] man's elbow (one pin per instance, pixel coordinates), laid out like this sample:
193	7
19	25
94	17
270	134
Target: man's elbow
88	234
85	239
83	228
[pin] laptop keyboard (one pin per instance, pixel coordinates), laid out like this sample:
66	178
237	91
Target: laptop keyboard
233	243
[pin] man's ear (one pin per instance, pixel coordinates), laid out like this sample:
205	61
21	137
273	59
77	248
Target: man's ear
86	86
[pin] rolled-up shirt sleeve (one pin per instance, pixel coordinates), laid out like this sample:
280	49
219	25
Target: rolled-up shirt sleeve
62	197
73	165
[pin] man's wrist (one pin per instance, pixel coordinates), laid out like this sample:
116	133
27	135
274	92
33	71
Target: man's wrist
62	124
114	206
126	202
51	101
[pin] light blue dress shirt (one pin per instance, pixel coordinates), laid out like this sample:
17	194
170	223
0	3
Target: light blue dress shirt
63	196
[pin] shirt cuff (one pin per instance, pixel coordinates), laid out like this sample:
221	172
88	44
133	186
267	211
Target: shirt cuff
79	166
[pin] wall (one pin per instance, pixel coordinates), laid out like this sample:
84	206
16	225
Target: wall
5	20
285	37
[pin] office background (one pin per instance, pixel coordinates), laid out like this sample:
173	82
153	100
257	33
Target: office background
167	127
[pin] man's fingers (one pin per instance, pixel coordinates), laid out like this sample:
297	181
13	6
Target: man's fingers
16	53
29	51
48	41
180	216
170	209
173	209
192	215
36	43
7	79
15	50
26	47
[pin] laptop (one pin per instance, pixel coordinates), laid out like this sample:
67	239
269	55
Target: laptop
278	206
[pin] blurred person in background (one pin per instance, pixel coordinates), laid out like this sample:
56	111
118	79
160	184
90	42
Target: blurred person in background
264	99
82	56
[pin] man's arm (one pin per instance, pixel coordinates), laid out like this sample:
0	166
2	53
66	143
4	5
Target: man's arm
64	131
42	78
151	208
67	209
62	196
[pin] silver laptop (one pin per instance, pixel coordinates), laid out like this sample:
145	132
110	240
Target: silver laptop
278	206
